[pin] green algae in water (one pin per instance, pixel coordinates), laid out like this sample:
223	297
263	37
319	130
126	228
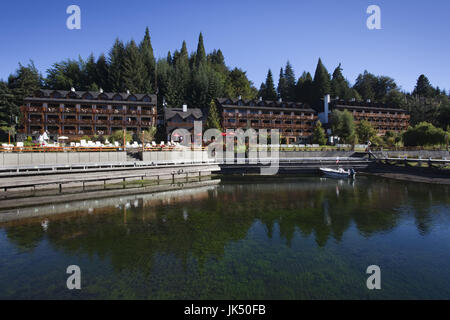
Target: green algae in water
302	238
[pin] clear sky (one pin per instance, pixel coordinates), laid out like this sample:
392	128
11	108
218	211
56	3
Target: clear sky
253	35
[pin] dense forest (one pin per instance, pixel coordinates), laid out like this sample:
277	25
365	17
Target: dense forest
196	78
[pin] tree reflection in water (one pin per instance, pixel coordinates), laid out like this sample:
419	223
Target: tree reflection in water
202	224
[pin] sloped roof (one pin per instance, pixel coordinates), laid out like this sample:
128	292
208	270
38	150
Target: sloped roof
172	112
261	104
45	93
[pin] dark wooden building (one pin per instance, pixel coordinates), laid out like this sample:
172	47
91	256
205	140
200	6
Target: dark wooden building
382	117
79	113
181	118
295	121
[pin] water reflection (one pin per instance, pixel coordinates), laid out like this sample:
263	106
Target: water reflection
203	220
132	232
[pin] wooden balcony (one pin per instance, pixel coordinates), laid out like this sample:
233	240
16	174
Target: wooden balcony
71	121
51	121
148	112
53	110
102	111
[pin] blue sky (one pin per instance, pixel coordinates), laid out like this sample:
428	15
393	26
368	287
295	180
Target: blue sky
253	35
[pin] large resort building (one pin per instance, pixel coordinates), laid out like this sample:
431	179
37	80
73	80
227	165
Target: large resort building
75	114
381	117
295	121
86	113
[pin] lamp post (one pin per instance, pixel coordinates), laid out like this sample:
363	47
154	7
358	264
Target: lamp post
124	137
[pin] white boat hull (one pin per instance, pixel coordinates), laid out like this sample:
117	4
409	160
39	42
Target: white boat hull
339	174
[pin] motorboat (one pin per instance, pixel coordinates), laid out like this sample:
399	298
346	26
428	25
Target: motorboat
338	173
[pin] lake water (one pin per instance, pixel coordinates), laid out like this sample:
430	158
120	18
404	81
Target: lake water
246	238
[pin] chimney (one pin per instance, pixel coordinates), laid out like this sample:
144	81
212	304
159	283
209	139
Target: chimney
260	98
280	100
101	90
240	98
368	101
128	92
72	89
184	107
326	101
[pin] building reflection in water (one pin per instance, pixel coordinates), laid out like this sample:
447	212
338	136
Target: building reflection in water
202	222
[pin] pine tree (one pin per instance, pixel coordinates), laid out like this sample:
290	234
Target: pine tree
304	88
89	73
133	71
319	136
282	87
237	84
116	59
148	61
213	121
200	56
339	85
181	76
102	73
23	83
269	93
8	111
321	83
290	82
423	87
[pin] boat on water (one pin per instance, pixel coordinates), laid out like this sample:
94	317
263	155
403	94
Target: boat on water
338	173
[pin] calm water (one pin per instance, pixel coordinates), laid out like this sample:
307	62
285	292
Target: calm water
248	238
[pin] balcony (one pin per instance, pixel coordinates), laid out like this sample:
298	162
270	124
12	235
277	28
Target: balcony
53	120
146	123
87	121
69	121
35	120
136	112
35	109
69	132
102	111
53	110
148	112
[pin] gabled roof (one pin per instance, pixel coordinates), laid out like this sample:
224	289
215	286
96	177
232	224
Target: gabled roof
64	94
228	102
170	113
